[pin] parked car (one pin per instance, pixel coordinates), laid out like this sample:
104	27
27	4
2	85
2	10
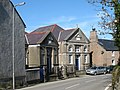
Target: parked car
110	68
96	70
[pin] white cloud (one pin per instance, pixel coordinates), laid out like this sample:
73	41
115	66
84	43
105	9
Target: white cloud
62	19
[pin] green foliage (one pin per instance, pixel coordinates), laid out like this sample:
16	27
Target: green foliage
115	77
111	21
117	24
110	18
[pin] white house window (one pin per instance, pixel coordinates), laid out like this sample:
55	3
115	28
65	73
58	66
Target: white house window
70	59
85	57
70	49
113	62
77	48
113	53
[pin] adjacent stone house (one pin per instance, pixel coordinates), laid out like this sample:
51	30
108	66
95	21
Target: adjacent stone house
103	51
43	52
74	50
6	56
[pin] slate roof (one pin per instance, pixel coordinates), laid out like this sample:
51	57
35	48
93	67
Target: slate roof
55	29
65	33
59	33
34	38
44	29
108	45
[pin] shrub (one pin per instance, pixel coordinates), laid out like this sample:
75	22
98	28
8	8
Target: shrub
115	77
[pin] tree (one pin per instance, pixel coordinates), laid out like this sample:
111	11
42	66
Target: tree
110	22
109	12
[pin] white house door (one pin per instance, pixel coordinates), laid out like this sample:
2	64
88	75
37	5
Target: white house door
77	62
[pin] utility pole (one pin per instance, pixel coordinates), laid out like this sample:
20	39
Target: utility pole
13	41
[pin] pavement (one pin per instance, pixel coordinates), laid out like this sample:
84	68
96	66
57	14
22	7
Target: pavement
109	87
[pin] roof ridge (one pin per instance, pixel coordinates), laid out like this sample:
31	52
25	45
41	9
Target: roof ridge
37	33
70	29
47	26
53	28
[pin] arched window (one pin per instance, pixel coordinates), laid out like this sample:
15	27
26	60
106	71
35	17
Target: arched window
77	48
113	53
70	49
113	62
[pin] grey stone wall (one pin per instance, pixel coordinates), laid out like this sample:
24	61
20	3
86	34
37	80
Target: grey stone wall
6	8
32	74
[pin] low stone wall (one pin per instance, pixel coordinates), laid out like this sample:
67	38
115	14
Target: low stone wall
81	72
33	74
7	83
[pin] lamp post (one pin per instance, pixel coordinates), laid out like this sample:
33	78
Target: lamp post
13	46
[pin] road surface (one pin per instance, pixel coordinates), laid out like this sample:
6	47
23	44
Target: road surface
98	82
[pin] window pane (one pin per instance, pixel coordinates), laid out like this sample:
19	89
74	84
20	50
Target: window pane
70	49
85	59
70	59
77	48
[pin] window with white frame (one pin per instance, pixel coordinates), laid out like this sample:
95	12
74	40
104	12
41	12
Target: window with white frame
70	59
113	53
77	49
70	49
113	62
85	57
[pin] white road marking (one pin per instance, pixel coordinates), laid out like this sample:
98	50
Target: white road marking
90	81
72	86
107	87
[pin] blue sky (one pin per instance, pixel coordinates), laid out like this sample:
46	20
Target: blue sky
65	13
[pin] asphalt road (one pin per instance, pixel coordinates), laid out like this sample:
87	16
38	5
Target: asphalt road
99	82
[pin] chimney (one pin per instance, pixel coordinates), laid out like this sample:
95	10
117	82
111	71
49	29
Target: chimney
93	35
